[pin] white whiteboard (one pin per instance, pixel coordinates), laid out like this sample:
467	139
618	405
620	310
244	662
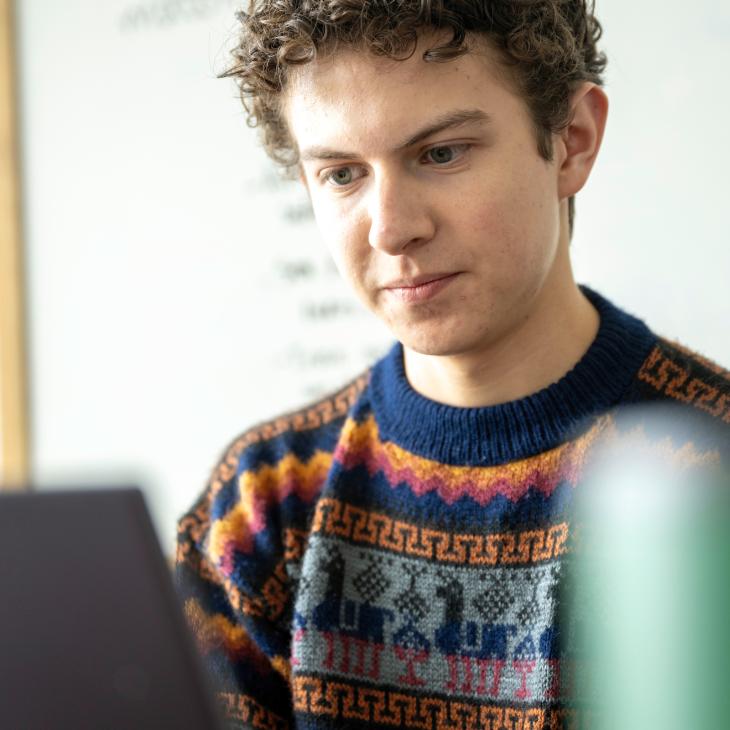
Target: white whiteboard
178	292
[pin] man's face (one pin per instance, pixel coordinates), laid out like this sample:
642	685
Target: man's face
419	171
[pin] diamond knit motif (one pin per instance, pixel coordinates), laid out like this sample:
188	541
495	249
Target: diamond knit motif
495	599
409	602
531	612
371	582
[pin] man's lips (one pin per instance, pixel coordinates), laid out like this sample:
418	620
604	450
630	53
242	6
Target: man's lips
412	282
420	288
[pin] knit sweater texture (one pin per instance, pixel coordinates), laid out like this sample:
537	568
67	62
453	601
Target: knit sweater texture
381	560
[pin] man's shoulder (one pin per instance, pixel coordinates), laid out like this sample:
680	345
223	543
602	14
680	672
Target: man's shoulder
302	430
255	506
307	435
676	373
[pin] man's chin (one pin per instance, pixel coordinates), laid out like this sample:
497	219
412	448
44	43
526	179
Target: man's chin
443	345
454	339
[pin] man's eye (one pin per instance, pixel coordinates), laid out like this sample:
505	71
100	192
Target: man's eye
445	154
341	176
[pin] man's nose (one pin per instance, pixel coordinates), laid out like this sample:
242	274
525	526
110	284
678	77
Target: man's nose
400	216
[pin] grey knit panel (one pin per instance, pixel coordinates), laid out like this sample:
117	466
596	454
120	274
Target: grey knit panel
368	616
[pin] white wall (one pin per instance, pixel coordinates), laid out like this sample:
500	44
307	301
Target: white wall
179	292
653	229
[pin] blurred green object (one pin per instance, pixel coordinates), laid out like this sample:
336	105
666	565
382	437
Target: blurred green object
648	606
708	668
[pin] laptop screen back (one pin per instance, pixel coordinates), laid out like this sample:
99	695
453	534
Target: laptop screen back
91	634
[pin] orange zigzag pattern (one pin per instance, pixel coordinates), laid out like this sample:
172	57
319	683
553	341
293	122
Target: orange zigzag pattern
257	490
361	444
215	632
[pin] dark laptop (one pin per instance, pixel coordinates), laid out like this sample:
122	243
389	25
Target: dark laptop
91	632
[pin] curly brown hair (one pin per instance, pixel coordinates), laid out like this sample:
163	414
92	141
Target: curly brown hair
548	46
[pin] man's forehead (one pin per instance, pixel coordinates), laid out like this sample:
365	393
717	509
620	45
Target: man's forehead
351	73
335	97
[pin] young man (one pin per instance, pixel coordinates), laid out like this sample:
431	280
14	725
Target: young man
392	555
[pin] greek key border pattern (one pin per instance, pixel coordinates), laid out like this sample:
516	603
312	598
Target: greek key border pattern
670	378
337	518
245	709
395	708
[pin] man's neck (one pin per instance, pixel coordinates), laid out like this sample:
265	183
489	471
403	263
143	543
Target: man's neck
540	352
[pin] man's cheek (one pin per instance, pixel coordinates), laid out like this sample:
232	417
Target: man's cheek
486	213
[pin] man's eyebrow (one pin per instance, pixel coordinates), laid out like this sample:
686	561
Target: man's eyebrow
445	121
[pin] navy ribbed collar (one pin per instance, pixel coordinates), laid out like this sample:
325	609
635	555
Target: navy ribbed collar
517	429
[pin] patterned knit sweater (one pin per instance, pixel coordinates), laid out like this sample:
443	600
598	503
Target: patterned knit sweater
381	560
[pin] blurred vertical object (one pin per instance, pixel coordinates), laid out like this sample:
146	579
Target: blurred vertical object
14	459
649	595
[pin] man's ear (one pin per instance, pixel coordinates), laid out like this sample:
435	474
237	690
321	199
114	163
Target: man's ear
581	139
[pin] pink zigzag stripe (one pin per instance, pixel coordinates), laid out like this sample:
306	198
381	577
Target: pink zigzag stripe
545	483
244	541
